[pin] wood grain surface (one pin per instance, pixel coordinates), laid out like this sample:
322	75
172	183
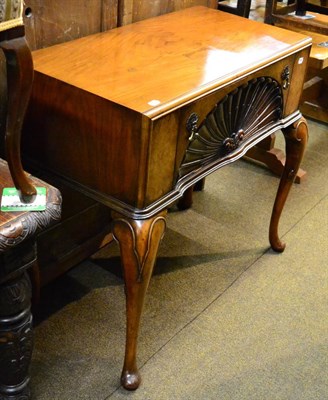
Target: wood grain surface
157	64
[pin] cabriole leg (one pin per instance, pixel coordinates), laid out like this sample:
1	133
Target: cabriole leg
296	137
138	241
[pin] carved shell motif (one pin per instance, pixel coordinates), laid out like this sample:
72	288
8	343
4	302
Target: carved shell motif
243	112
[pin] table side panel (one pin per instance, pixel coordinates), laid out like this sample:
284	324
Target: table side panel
297	81
162	155
85	139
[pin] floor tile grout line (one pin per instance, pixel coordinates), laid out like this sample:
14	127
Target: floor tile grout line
304	215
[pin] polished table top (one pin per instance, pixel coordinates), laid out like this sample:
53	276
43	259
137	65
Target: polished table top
158	64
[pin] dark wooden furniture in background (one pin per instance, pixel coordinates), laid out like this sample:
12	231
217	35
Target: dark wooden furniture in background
241	7
287	14
139	138
135	10
314	102
49	22
18	259
18	253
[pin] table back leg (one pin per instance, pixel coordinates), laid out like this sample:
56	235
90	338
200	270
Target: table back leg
296	136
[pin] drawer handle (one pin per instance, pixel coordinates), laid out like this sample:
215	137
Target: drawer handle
285	76
191	126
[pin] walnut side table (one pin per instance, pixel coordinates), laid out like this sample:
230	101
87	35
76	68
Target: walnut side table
135	116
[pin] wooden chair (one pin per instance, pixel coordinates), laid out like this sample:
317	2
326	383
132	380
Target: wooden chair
290	13
18	229
242	7
311	19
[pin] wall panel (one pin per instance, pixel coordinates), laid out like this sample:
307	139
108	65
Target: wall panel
49	22
136	10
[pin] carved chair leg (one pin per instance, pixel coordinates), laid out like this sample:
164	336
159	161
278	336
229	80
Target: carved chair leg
16	338
296	137
138	241
19	83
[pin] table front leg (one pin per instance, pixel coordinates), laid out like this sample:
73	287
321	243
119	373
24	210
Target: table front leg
138	241
296	137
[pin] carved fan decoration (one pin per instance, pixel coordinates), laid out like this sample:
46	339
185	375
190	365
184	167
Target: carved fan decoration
243	112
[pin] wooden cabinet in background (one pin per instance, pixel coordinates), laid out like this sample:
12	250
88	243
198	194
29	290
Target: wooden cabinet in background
49	22
136	10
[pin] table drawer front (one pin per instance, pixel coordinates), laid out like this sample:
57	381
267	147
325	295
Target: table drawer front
218	126
234	120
